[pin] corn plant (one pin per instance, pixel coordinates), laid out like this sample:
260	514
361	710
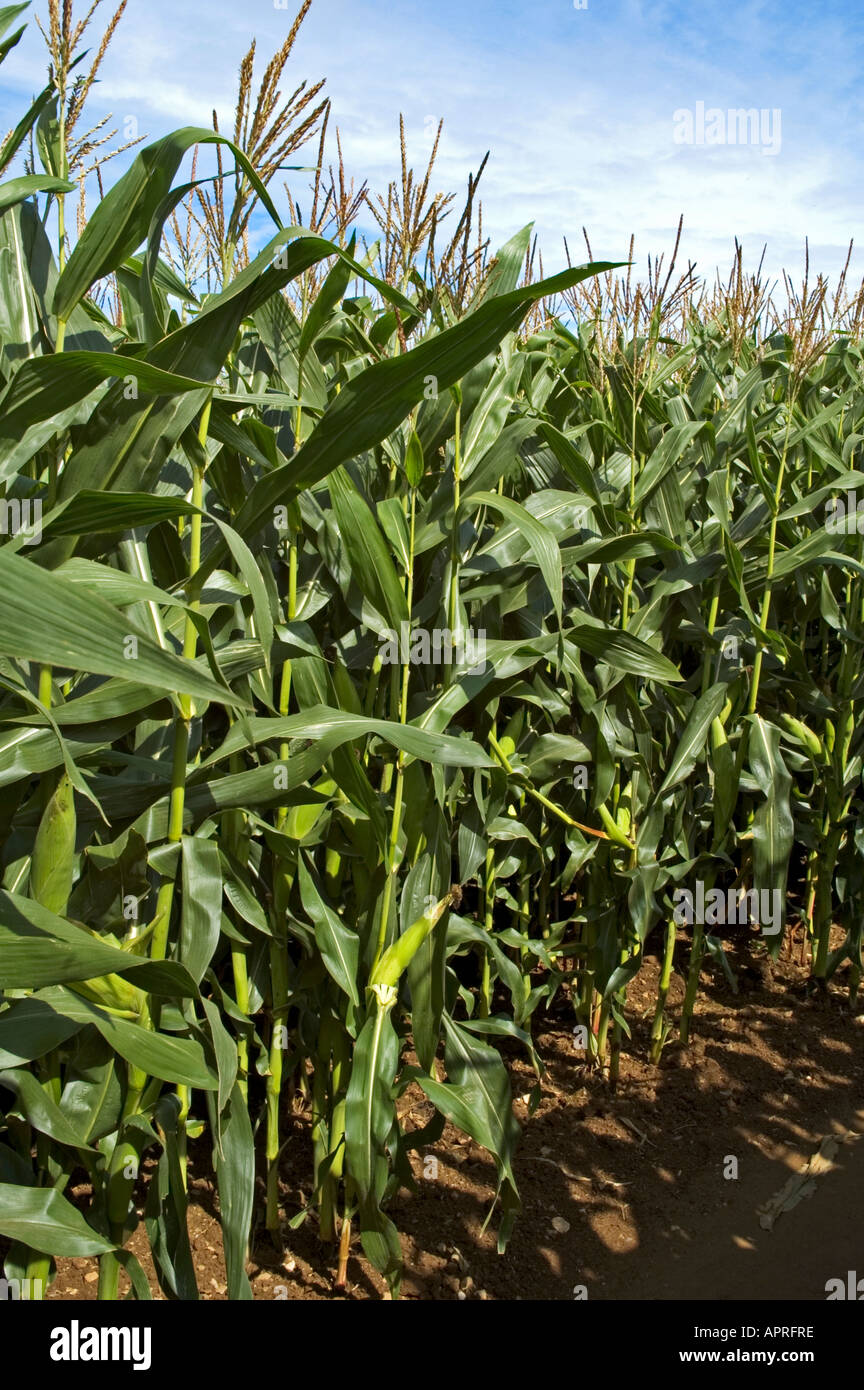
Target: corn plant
375	668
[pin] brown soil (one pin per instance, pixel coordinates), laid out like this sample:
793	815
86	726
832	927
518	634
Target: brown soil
623	1193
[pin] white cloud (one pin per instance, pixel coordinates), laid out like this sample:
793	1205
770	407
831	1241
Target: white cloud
576	107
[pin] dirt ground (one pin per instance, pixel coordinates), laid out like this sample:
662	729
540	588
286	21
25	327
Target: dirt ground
625	1195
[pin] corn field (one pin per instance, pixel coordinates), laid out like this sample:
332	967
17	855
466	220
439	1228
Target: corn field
395	643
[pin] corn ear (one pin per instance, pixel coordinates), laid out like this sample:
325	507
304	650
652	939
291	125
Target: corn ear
398	957
53	864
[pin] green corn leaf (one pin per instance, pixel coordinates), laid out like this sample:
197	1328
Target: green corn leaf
29	1028
44	619
45	386
368	552
376	402
773	825
175	1059
339	946
369	1104
16	190
122	219
540	539
202	904
692	741
624	652
40	1110
44	1220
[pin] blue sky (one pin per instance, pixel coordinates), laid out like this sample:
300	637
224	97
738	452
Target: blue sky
576	105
